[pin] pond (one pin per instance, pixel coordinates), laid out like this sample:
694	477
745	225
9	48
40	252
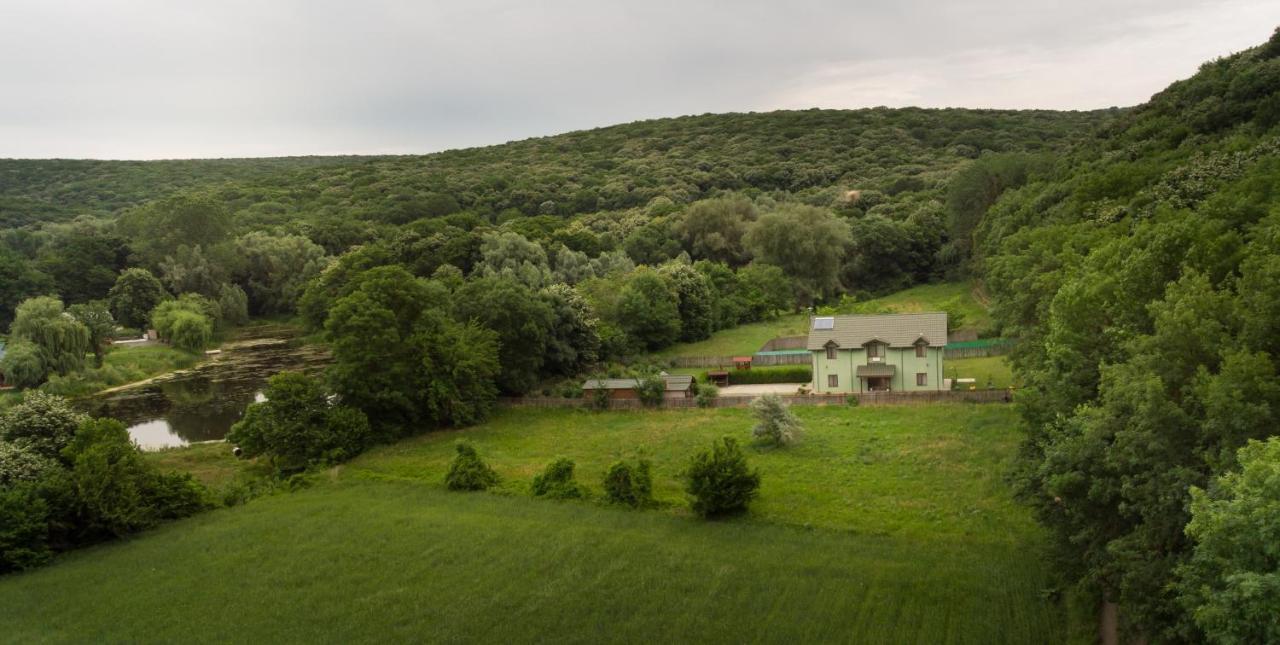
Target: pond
201	404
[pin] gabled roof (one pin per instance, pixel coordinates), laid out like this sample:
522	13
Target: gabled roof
874	370
898	330
678	383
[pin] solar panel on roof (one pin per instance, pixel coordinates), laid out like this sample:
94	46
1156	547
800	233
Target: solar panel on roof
824	323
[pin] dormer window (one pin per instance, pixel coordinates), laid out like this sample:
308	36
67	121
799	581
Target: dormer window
920	347
873	350
831	352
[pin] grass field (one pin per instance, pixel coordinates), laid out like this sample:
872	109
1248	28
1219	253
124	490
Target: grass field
743	340
990	369
935	297
121	365
882	525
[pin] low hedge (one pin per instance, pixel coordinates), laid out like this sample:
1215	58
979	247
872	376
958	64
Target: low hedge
787	374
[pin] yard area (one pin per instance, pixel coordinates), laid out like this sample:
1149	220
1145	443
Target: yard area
743	340
993	370
881	525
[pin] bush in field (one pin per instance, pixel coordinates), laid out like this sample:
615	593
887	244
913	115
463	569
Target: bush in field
629	484
298	426
468	471
707	395
719	481
556	481
42	422
775	424
24	528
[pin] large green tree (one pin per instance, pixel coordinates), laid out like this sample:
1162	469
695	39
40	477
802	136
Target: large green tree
401	359
158	229
95	317
135	293
275	269
522	320
806	242
713	229
62	340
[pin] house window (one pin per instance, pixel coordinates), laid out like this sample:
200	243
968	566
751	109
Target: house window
833	380
831	351
873	350
920	351
922	378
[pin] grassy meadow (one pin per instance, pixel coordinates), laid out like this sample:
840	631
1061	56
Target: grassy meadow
987	369
935	297
884	524
743	340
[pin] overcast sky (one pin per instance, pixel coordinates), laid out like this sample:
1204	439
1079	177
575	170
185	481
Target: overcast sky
138	79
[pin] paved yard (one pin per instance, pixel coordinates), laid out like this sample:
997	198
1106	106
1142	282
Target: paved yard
757	390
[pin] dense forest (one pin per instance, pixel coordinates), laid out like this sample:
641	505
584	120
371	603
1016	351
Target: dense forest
1142	275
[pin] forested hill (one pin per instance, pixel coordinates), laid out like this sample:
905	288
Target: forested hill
812	154
1143	275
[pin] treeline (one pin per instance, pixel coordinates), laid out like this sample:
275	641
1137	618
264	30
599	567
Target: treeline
1142	274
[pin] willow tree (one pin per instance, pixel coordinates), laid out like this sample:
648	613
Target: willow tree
62	340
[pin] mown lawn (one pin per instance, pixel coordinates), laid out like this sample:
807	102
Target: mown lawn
989	369
887	524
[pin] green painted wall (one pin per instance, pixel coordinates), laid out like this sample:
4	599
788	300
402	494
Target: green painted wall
904	360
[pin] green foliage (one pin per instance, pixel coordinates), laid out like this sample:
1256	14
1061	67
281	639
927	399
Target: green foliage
187	322
401	360
522	321
275	269
468	471
647	310
191	270
651	389
713	229
297	426
556	481
115	492
695	300
42	423
1231	583
162	226
24	528
781	374
807	243
23	365
134	295
1140	278
19	462
62	340
719	481
574	339
22	280
233	305
101	325
629	484
707	395
775	424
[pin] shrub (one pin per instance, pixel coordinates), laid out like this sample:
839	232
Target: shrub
600	398
719	481
789	374
43	422
628	484
115	491
297	426
852	400
20	463
24	528
775	424
556	481
707	395
651	390
468	471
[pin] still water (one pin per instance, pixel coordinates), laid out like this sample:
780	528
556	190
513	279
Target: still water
201	404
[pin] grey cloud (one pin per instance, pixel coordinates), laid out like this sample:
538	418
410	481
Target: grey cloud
150	79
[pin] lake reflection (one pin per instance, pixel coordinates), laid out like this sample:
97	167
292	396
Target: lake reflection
202	404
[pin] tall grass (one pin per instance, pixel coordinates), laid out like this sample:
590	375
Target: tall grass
121	366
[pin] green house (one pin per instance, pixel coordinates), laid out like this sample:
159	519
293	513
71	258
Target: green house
877	353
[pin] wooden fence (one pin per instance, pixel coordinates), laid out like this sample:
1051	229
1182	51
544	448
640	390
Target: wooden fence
869	398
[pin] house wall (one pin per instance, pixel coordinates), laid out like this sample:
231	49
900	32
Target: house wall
907	365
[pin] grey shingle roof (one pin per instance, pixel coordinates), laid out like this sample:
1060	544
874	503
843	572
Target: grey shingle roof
674	383
898	330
